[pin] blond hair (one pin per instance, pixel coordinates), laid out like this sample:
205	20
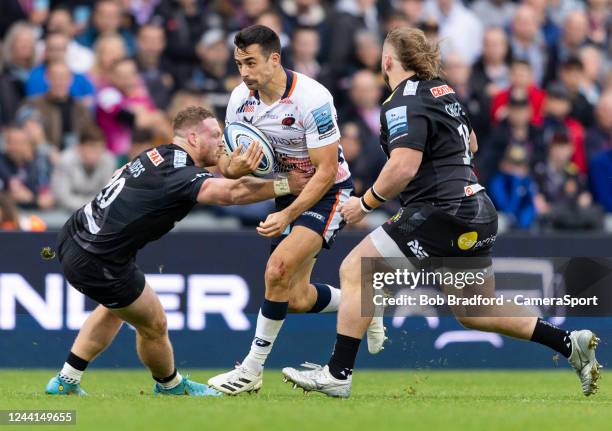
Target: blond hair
415	52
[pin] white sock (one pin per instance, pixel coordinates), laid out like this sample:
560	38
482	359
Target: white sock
172	383
334	302
265	334
70	374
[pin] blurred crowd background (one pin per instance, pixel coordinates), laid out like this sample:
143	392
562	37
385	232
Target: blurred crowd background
86	85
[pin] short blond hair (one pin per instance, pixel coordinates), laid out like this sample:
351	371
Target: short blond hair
415	52
190	117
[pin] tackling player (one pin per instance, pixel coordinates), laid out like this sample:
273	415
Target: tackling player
298	116
97	246
429	140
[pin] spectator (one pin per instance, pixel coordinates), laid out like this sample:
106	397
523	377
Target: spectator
512	189
494	13
574	36
82	171
592	61
305	48
514	131
106	20
364	159
526	42
600	172
108	50
521	84
142	10
598	15
364	108
549	28
125	105
306	14
18	53
474	100
571	76
491	72
273	20
563	201
56	46
459	27
142	140
556	115
79	58
9	217
599	136
63	117
411	10
19	173
213	76
368	50
155	70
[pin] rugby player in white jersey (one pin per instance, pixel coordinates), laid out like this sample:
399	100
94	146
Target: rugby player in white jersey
298	116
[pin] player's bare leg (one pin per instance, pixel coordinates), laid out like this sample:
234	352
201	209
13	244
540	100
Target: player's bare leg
335	378
515	321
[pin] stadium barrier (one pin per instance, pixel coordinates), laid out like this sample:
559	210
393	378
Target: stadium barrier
211	285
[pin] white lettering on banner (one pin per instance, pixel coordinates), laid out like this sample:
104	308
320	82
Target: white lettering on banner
227	295
46	311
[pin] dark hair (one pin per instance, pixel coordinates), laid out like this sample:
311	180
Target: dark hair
261	35
142	136
91	135
572	63
190	116
519	62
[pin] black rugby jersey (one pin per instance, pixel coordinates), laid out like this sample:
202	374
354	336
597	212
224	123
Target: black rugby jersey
426	116
139	205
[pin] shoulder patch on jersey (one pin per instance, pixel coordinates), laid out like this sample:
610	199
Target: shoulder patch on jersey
441	90
323	118
155	157
180	159
397	121
411	88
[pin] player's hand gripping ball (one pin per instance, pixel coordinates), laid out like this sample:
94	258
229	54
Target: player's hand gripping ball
240	136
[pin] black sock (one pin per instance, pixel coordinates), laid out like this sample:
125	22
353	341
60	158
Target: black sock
343	359
75	362
556	338
166	379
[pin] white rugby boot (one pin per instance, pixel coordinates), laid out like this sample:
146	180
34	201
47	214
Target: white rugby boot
584	343
318	379
376	335
237	381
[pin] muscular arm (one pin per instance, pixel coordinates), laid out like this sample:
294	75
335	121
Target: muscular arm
401	167
325	161
245	190
473	143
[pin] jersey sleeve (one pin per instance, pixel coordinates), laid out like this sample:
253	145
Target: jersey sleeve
185	183
405	126
321	120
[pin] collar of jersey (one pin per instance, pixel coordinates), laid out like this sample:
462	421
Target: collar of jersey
291	80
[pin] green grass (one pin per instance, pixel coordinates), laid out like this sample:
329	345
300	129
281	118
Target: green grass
382	400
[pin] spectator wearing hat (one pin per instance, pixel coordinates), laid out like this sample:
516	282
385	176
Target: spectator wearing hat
563	200
512	189
82	171
514	130
557	115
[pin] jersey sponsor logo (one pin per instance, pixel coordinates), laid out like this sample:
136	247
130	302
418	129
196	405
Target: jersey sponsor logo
396	217
467	240
155	157
136	168
441	90
472	189
454	109
315	215
180	159
417	250
488	241
285	142
397	122
201	175
247	106
288	121
411	88
261	342
324	120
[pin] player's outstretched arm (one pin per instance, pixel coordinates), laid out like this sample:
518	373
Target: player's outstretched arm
473	143
246	190
237	164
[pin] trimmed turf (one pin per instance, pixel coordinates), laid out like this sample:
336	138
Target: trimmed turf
382	400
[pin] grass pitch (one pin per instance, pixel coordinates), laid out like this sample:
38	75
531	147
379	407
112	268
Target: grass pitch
382	400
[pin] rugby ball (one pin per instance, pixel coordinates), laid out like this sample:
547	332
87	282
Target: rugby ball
239	133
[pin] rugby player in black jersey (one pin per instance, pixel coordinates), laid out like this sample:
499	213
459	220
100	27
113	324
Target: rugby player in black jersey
97	246
445	213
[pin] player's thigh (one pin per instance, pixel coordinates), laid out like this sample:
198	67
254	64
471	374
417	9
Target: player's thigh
352	267
297	249
146	314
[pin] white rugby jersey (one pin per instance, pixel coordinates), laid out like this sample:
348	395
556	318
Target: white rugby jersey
304	117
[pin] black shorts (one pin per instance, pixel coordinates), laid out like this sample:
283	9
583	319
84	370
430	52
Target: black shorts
108	283
425	234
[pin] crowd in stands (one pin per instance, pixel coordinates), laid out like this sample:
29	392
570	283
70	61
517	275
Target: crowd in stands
86	85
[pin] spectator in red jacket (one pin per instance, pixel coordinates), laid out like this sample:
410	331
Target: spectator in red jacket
521	85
